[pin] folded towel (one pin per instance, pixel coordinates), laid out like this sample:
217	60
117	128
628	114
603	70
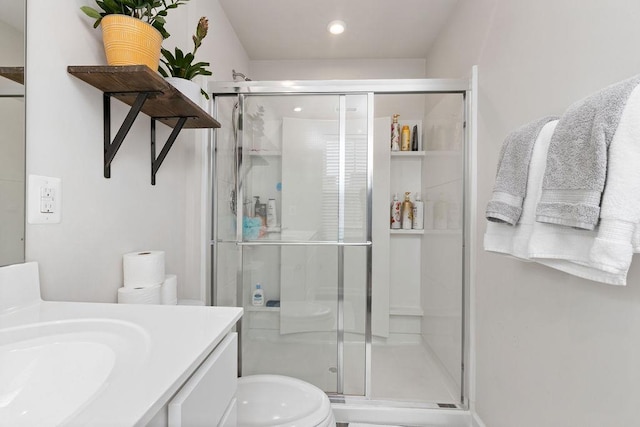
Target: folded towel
605	254
502	237
577	159
510	187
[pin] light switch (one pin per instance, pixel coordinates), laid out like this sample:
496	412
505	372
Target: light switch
44	200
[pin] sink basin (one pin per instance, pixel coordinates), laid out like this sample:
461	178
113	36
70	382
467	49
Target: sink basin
51	371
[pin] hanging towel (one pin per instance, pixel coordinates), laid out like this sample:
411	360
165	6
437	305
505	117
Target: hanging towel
605	254
510	187
577	159
501	237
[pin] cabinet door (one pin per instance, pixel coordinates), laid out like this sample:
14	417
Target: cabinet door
205	397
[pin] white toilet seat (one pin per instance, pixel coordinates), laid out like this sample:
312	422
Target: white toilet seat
276	400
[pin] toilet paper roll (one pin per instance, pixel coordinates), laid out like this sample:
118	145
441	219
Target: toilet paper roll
169	290
146	295
141	269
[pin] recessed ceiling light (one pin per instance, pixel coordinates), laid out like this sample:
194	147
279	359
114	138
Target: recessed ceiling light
297	109
336	27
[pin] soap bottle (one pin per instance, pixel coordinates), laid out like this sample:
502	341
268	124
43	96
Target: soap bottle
395	212
406	139
257	298
272	218
418	213
440	213
407	212
395	133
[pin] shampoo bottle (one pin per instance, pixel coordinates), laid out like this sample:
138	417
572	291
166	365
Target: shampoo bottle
395	134
395	212
406	139
407	212
418	213
414	138
272	217
257	298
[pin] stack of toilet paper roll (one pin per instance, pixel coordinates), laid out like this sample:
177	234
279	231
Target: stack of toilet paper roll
145	281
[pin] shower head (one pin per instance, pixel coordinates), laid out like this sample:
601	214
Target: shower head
235	74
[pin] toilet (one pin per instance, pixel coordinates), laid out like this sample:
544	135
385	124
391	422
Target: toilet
276	400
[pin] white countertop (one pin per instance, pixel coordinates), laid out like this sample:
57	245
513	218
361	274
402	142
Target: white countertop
169	343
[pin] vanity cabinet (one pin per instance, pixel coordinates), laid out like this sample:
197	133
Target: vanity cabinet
208	397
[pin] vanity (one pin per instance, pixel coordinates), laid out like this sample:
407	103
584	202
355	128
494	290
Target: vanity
78	364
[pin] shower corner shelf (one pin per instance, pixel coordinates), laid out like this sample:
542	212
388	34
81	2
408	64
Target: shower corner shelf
143	90
407	153
405	232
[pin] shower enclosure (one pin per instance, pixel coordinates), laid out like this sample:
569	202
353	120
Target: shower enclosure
302	182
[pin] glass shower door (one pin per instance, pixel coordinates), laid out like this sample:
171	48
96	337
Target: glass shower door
302	233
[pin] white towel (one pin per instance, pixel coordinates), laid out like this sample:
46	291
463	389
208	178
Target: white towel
604	254
506	239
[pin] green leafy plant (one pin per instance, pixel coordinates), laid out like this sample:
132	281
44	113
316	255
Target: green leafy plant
152	12
181	65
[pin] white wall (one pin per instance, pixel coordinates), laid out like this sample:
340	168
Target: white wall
337	69
80	258
552	349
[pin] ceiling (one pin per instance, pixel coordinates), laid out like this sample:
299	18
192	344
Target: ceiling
376	29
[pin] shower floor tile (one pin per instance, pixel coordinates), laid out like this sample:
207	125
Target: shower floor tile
400	372
409	372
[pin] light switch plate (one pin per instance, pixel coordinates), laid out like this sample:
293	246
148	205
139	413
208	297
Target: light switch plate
44	198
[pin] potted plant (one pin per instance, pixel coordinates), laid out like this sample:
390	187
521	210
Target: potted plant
181	68
132	30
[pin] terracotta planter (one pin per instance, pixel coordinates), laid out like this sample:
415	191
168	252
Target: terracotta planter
130	41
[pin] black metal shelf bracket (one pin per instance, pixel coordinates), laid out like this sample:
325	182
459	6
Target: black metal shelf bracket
112	147
156	162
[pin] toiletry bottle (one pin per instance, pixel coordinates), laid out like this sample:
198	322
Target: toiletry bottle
407	212
395	133
272	219
395	212
440	213
257	298
261	210
256	206
414	138
428	212
406	139
418	213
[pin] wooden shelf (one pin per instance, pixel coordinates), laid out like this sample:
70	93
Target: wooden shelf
15	74
145	91
166	104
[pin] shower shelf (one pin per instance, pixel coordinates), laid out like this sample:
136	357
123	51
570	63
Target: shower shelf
143	90
406	232
407	154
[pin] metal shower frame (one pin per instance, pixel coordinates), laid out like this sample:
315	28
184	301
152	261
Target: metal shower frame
343	88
